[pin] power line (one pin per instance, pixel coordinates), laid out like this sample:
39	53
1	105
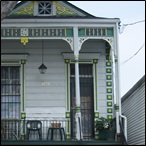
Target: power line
134	23
122	27
133	55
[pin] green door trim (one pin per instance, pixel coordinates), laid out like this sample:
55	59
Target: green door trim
95	84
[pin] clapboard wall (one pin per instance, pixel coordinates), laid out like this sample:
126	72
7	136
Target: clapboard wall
46	93
133	107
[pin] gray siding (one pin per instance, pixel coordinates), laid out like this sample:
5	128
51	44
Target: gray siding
133	107
47	93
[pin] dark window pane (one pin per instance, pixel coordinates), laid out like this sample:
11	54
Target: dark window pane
10	92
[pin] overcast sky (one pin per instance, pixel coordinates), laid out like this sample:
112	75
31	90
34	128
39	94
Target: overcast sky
131	40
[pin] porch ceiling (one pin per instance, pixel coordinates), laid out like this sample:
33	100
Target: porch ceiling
34	44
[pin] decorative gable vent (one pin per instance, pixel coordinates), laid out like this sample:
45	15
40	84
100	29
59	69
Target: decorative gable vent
45	8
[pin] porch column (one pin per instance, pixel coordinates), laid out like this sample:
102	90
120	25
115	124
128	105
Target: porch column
79	134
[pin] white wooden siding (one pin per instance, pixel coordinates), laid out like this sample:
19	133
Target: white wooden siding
44	92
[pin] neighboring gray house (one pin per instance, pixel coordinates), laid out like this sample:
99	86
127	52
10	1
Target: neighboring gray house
133	107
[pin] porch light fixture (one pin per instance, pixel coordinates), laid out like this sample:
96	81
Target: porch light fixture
42	68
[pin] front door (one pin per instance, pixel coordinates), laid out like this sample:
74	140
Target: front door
86	98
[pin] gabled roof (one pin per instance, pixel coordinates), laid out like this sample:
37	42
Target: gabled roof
28	9
133	89
61	9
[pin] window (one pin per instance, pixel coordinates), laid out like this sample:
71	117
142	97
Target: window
10	92
44	8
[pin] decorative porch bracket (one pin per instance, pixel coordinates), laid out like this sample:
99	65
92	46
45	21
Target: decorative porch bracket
70	41
82	40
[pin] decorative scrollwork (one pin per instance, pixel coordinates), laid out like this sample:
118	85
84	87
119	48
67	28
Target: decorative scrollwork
110	41
81	41
24	32
70	41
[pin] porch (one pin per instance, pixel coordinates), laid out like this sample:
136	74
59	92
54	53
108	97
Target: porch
47	131
69	142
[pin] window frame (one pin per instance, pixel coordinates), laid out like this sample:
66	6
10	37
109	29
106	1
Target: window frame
12	100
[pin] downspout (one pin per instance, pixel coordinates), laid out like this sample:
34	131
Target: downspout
118	84
79	135
116	100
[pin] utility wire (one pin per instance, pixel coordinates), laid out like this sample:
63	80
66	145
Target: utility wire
133	55
121	28
134	23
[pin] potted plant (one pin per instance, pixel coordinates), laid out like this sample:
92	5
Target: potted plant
101	126
105	127
111	129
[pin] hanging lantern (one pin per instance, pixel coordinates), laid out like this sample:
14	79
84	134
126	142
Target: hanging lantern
42	68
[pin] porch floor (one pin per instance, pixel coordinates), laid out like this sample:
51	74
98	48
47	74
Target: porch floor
43	142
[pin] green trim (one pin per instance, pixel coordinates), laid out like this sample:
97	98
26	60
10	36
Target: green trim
81	32
117	108
109	90
22	87
96	137
109	116
23	84
109	97
68	137
108	70
107	50
108	77
69	32
95	61
82	61
68	126
67	60
23	61
67	67
109	110
96	114
68	115
23	115
78	108
107	45
22	137
109	104
108	64
109	83
96	86
108	57
76	61
110	32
